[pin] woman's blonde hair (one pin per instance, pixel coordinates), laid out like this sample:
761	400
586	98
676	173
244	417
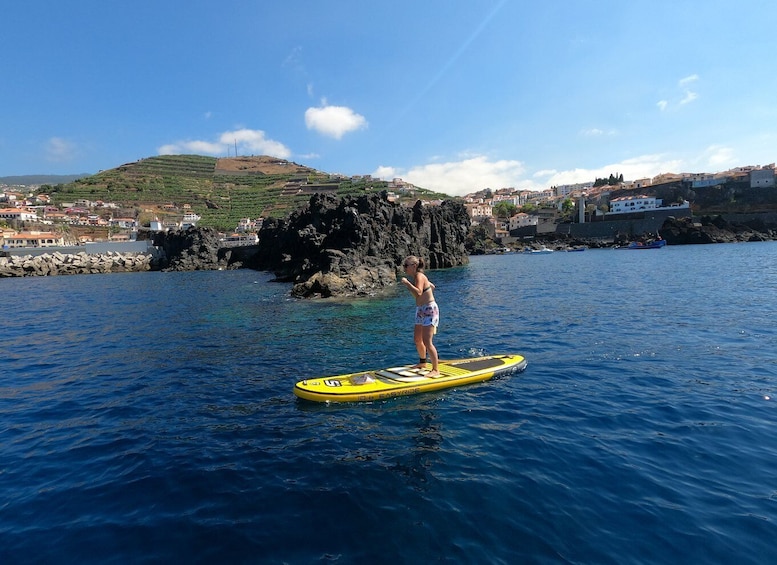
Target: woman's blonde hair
417	261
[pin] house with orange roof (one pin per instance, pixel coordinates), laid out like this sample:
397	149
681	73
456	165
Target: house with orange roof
18	214
33	239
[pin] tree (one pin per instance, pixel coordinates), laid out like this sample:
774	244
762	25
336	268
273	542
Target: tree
529	208
504	209
612	180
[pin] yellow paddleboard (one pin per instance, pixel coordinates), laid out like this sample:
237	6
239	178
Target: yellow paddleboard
404	381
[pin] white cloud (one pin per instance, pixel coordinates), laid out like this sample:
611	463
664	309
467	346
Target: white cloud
60	150
457	178
196	147
334	121
689	97
248	141
386	173
596	132
294	58
644	166
255	141
719	157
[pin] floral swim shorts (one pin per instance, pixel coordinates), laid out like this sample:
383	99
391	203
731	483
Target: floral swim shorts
427	315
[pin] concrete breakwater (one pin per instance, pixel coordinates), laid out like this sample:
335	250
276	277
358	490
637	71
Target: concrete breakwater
75	264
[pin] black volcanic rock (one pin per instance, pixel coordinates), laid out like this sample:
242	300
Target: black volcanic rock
352	246
716	229
192	249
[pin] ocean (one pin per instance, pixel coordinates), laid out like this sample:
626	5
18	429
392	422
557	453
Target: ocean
149	417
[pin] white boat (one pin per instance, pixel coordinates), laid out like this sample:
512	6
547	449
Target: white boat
542	250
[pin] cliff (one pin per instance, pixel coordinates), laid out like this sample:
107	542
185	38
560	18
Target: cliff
353	246
192	249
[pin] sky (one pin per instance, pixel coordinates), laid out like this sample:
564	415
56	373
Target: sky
451	96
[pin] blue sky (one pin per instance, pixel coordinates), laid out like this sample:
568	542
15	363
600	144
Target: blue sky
452	96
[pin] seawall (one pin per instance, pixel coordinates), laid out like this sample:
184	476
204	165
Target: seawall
650	223
81	263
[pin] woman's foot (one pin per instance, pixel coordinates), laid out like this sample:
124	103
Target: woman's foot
433	373
419	366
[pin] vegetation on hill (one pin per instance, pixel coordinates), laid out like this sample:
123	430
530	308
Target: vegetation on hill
613	180
221	191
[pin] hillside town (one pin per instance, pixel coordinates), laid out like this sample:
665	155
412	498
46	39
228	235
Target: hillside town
540	211
29	220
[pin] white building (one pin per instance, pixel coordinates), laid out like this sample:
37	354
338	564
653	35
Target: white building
239	239
33	239
570	189
762	178
124	223
641	204
633	204
521	220
18	214
546	195
480	211
190	219
511	198
247	225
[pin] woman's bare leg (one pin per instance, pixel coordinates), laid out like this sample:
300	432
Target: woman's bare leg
427	337
418	338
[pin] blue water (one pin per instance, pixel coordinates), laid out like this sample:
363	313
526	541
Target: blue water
150	417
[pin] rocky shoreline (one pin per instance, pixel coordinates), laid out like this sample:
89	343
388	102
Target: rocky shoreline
676	231
351	246
330	247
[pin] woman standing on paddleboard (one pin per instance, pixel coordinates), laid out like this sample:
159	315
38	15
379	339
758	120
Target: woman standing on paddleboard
427	314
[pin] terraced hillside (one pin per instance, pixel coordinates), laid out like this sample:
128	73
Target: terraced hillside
221	191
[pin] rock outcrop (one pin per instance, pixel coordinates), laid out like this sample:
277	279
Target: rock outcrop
74	264
684	231
192	249
353	246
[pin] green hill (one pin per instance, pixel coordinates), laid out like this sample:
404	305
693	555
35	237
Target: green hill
221	191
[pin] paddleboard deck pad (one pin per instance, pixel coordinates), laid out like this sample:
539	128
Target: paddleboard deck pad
403	381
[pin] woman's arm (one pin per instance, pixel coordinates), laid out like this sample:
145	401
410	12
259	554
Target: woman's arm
415	290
